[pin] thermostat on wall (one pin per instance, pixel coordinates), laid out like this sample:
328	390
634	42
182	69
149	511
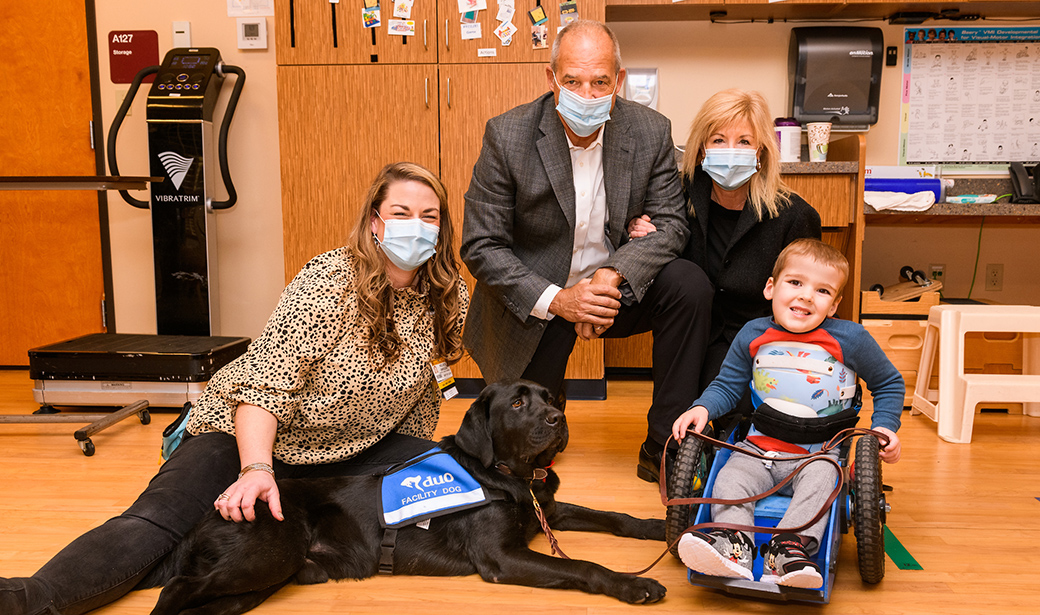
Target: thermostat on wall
252	32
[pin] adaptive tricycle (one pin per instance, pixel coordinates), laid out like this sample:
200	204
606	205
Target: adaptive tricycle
858	502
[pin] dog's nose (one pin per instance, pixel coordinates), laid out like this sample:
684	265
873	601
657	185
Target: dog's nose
553	417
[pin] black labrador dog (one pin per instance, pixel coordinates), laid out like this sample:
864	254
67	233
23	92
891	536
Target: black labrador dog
507	441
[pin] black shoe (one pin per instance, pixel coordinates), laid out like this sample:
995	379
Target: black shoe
649	467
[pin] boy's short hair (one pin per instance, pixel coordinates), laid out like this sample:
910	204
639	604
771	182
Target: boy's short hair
822	253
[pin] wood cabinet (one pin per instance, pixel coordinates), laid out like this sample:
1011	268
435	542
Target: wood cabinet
454	50
319	32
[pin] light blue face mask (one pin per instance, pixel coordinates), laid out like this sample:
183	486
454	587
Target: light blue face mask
408	243
583	115
730	168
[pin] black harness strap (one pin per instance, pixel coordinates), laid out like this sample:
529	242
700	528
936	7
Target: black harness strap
386	551
802	430
389	542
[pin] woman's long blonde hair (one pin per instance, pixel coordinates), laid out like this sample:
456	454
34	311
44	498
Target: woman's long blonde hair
440	273
767	191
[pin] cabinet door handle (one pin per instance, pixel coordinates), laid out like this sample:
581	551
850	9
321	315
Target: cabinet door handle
449	92
447	46
424	45
426	92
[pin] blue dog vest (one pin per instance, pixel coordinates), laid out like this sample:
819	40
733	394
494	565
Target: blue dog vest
427	486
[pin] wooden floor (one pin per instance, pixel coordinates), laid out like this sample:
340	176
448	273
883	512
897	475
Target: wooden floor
969	514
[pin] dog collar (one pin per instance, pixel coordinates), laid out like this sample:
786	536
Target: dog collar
538	473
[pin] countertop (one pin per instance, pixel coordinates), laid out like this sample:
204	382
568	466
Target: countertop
1003	208
803	168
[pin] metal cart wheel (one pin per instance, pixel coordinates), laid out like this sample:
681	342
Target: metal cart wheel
869	509
907	272
145	416
87	447
686	480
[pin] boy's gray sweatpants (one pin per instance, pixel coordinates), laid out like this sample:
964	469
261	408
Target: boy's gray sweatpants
744	476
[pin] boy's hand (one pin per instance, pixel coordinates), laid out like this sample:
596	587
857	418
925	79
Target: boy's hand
890	453
697	416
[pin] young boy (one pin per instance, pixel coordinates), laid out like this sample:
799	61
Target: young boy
803	369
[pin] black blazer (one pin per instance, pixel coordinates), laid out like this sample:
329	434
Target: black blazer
749	259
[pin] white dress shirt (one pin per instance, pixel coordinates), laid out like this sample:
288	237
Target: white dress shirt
591	247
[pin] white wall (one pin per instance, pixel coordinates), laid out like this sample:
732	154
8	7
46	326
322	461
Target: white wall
695	59
249	235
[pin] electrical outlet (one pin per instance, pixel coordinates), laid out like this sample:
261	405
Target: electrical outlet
938	272
994	277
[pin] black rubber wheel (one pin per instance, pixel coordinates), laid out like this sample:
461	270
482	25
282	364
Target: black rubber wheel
145	416
920	278
869	510
906	272
87	447
686	480
877	288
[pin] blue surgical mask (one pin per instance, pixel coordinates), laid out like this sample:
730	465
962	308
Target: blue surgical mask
583	115
408	243
730	168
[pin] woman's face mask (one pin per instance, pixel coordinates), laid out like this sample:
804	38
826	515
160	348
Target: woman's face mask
408	242
583	115
730	168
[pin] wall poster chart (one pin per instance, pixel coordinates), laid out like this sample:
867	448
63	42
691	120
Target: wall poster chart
971	97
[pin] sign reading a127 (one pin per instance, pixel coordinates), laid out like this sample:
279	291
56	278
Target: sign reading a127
131	50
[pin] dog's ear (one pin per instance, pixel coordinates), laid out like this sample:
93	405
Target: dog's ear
560	401
474	435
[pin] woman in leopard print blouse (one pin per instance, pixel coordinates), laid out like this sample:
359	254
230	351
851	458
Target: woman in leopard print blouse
340	382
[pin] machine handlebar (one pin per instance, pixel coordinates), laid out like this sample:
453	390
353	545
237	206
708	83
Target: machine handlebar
225	124
113	131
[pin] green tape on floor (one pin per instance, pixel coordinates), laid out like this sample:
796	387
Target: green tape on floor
898	553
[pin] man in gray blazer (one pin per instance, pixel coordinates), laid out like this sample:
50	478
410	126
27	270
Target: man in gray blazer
545	235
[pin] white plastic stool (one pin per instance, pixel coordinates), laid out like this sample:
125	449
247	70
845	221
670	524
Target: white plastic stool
952	405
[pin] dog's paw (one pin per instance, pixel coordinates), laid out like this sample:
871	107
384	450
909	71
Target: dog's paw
640	590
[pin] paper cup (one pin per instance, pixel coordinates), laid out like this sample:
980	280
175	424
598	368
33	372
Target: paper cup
790	140
819	136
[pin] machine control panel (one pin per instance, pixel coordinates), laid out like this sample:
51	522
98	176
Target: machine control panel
185	77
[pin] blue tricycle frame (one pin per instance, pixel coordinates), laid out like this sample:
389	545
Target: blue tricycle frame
860	504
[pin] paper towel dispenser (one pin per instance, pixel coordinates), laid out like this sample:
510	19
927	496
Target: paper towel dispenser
835	75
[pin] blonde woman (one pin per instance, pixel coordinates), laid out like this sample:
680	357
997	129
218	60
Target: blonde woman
339	382
741	215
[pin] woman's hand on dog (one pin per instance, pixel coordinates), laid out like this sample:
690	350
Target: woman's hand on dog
243	494
255	430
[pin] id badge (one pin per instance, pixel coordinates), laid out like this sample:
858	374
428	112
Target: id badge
445	379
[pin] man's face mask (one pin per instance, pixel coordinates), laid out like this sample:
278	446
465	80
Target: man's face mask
584	115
